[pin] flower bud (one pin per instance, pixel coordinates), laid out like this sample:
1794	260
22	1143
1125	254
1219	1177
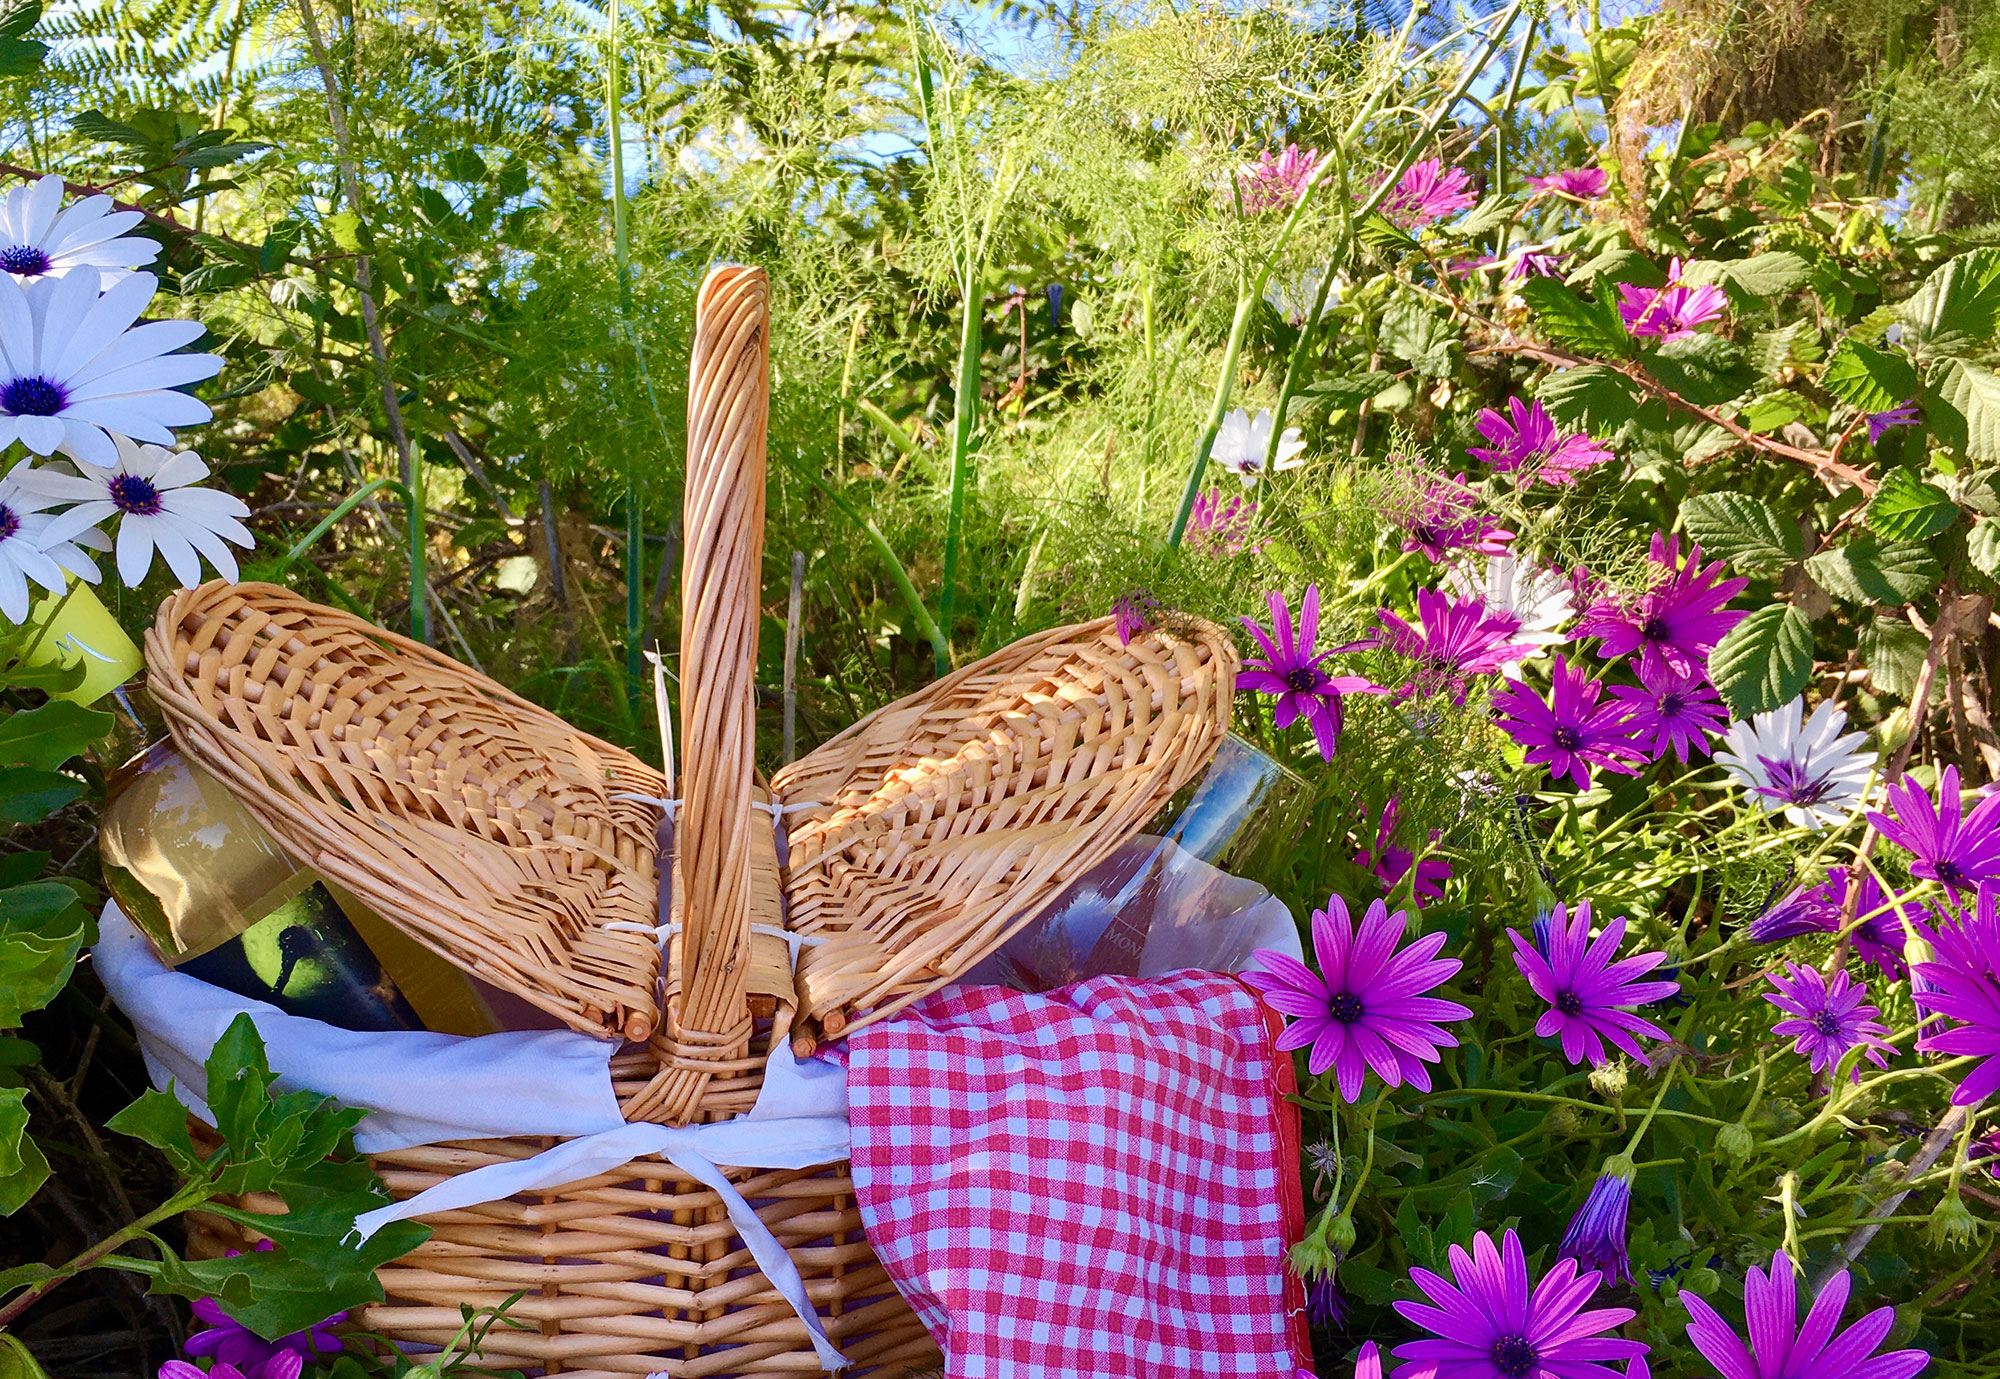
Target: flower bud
1736	1142
1340	1235
1610	1079
1701	1281
1313	1256
1952	1226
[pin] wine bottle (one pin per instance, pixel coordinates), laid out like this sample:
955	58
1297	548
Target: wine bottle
220	900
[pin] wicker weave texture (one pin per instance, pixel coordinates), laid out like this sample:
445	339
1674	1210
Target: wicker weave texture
951	818
633	1272
479	823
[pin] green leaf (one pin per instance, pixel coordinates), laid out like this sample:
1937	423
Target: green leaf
1595	397
1351	390
1411	330
15	1361
23	1170
1906	508
1745	531
1866	570
48	736
1982	547
1867	378
29	795
1765	661
159	1119
1765	275
1770	411
42	928
1489	214
1588	327
1973	392
1894	653
1707	370
1955	310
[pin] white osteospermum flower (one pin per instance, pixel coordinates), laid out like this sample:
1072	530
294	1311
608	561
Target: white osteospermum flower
151	490
1800	765
39	238
27	553
1241	443
74	369
1538	600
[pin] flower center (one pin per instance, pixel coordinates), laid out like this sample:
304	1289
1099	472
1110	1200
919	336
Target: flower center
1301	678
1427	535
24	260
10	522
1514	1357
1948	871
1826	1024
1567	738
1672	705
1655	629
135	495
1569	1003
1345	1007
33	396
1790	783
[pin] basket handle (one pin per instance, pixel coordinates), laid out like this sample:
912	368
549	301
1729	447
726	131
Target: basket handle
729	391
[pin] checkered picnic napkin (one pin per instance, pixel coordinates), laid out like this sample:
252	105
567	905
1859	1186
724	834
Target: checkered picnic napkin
1101	1180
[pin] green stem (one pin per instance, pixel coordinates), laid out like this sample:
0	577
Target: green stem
925	622
325	524
965	418
186	1199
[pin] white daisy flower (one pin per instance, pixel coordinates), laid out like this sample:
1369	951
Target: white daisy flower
1241	443
151	490
39	238
1537	600
27	553
1800	765
74	369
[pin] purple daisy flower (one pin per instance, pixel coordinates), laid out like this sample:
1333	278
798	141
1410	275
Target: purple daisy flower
1676	623
1219	523
1585	184
1669	708
1828	1018
1291	671
1368	1012
1883	919
1537	263
1277	180
1527	442
1596	1235
1571	731
1486	1322
1780	1349
1798	914
286	1364
1958	854
1879	423
1133	611
1428	192
1963	985
1453	640
1590	990
1444	518
1390	863
1671	312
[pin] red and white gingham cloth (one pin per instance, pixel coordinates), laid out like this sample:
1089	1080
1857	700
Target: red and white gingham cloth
1097	1181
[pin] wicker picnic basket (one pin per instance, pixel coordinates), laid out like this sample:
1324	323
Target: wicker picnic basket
525	852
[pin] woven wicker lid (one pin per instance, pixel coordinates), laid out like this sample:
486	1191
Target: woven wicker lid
949	820
476	822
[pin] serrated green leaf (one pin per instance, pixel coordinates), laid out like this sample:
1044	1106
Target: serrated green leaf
1489	214
1956	308
1765	661
1906	508
1770	411
1765	275
1588	327
1982	547
1894	652
1595	398
23	1170
1411	330
1351	390
1771	352
1747	532
1867	378
48	736
1707	370
1867	570
1973	392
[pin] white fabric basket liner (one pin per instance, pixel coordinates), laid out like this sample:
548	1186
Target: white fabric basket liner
419	1087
